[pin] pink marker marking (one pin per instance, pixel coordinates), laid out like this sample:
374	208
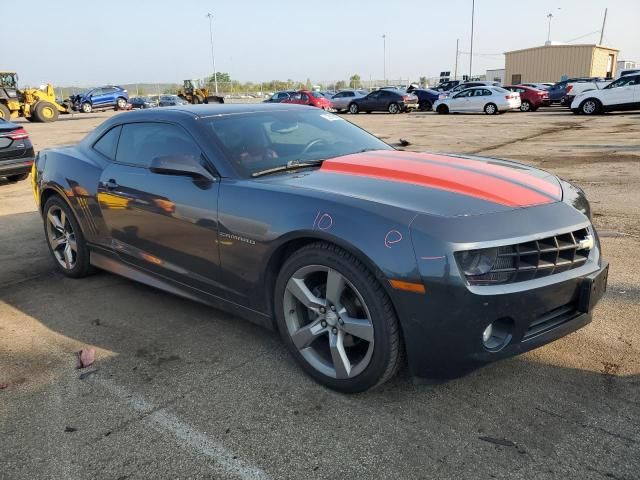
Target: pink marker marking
393	236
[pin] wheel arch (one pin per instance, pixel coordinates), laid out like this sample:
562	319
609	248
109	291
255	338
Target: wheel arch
296	241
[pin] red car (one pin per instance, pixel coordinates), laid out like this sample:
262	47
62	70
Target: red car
531	98
307	97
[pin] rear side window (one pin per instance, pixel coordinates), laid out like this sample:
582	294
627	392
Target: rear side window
140	143
108	143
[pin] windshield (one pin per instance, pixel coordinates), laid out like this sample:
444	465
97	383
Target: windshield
258	141
624	81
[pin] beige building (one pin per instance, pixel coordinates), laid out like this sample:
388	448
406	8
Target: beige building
552	62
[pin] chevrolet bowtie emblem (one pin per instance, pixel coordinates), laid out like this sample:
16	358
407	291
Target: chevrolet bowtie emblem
586	243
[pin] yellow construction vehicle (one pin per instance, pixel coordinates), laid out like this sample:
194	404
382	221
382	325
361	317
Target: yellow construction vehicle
193	91
35	104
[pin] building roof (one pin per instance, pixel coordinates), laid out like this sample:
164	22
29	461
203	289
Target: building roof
571	45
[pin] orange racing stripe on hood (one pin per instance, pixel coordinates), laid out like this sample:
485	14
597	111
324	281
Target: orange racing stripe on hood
464	182
552	189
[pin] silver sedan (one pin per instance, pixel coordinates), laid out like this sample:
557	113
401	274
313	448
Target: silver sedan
490	100
341	100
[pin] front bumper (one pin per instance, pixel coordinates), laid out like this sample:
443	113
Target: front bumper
443	330
16	167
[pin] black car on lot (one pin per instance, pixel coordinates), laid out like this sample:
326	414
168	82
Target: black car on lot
426	98
358	254
16	152
389	100
143	102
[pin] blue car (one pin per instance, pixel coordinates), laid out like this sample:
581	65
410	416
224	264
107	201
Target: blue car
426	98
101	98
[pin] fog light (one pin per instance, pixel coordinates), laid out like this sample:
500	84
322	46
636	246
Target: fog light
498	334
486	335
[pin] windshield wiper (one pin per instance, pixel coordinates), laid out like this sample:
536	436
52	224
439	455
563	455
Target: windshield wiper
290	165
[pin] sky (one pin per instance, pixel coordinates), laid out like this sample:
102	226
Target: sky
89	43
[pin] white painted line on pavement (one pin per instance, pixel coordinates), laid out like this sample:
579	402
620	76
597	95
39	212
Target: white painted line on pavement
186	436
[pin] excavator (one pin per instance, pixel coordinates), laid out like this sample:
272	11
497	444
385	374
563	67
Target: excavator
193	91
35	104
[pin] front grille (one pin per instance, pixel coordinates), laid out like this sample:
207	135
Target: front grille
535	259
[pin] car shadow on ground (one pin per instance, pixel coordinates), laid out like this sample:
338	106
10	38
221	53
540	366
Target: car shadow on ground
199	362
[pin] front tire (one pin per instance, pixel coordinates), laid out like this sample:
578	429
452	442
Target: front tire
86	107
336	319
45	112
65	239
5	114
491	109
442	109
591	106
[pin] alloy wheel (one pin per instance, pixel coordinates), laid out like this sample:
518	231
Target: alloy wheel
490	109
589	107
62	238
328	321
122	103
393	108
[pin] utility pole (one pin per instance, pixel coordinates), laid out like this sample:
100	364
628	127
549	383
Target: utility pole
550	16
604	21
473	12
213	58
384	58
455	71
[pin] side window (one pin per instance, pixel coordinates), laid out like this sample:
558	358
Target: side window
478	92
486	92
140	143
108	143
349	94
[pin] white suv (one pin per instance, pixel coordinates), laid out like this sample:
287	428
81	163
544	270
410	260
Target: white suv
623	94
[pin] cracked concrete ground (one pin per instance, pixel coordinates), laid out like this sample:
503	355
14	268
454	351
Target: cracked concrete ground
180	390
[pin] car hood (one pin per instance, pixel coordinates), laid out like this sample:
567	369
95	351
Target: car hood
434	184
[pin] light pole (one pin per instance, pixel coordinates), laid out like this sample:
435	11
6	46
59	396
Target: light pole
473	12
384	58
550	16
213	58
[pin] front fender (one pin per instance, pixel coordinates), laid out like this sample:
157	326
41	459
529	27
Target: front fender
255	223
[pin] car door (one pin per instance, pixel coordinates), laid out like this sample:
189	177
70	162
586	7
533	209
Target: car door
383	100
622	93
109	95
368	103
96	97
166	224
460	101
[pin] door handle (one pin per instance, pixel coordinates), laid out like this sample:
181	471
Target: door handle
111	184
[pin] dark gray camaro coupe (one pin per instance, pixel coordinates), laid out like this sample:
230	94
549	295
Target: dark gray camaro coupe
356	253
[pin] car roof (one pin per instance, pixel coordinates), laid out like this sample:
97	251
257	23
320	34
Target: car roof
210	110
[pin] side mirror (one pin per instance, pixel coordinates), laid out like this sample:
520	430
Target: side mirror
182	165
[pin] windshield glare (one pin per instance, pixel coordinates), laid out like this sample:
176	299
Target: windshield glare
262	140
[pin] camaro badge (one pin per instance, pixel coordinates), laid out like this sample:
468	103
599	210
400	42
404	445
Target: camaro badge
586	243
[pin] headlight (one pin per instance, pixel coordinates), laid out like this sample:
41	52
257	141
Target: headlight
477	262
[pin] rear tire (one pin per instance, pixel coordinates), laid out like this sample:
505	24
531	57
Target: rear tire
354	109
394	108
491	109
5	114
366	358
442	109
45	112
61	229
525	106
121	103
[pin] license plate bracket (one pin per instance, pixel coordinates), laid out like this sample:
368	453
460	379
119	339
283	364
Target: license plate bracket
592	289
